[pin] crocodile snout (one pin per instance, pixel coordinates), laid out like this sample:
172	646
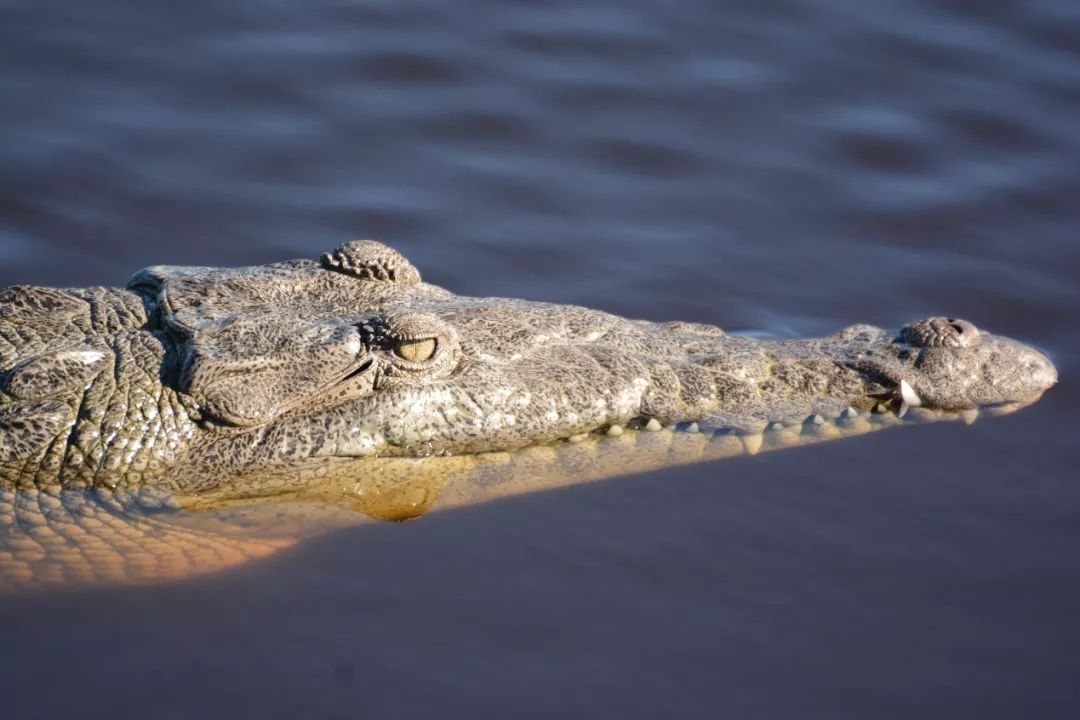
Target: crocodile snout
1042	370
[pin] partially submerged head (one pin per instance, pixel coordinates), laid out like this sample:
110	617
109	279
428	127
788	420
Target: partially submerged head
357	356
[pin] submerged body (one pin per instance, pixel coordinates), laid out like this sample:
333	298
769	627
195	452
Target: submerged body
60	538
350	381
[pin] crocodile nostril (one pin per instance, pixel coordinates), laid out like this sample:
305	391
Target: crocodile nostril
941	332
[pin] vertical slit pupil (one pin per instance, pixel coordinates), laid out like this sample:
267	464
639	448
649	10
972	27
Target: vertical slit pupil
416	350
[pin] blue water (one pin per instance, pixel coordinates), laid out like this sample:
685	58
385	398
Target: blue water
771	165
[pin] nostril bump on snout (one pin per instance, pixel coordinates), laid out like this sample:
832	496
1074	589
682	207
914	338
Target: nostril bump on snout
941	332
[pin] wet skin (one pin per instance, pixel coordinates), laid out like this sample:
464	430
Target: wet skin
204	417
191	375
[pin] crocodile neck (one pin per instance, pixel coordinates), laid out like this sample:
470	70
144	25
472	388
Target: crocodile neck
126	423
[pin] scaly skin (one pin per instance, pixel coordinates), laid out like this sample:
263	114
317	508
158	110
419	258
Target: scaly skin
56	538
195	374
197	387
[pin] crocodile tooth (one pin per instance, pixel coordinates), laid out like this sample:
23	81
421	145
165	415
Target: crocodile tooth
881	408
752	443
815	419
908	394
580	437
693	428
849	412
653	425
969	416
615	430
775	425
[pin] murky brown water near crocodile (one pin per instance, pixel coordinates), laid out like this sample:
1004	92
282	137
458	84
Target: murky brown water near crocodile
773	166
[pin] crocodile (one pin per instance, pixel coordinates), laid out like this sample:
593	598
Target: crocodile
349	382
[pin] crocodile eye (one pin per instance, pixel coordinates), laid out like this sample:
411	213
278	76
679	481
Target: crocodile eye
416	351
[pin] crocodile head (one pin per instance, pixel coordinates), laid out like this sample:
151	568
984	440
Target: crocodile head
356	356
211	390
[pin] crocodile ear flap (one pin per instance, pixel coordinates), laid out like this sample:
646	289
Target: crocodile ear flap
238	392
371	260
248	370
253	346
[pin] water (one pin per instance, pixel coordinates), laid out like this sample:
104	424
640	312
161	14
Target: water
770	165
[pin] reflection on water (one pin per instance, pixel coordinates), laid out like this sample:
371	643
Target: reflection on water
782	167
66	539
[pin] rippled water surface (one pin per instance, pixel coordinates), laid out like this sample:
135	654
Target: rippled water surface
782	166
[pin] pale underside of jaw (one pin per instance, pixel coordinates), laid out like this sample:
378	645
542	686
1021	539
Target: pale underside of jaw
259	515
396	488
